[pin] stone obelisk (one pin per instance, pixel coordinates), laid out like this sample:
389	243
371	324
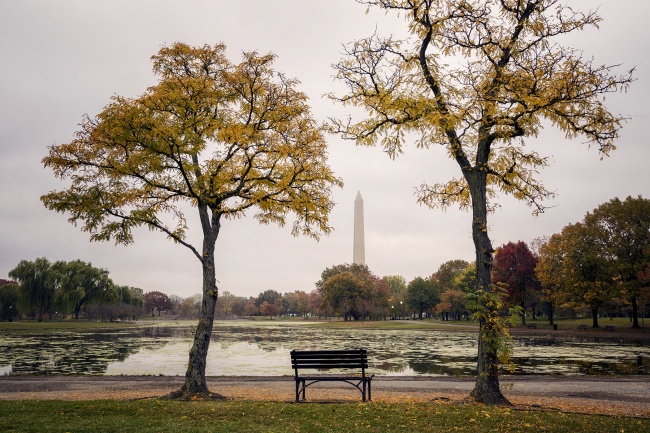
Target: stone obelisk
359	253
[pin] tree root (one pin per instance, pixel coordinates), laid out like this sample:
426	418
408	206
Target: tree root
490	398
184	395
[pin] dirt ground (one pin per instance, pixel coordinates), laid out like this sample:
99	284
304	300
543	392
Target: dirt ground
625	396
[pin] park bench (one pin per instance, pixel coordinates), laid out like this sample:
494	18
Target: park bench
609	328
532	325
582	327
342	360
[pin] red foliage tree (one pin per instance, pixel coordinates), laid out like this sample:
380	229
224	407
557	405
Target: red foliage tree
157	301
514	265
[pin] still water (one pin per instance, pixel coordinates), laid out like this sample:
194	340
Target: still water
262	349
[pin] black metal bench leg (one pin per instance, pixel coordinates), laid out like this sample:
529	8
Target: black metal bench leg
297	389
303	389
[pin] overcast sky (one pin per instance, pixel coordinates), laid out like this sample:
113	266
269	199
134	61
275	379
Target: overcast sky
62	59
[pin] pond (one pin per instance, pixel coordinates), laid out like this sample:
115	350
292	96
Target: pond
262	349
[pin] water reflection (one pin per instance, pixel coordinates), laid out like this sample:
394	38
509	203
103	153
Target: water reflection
65	353
249	348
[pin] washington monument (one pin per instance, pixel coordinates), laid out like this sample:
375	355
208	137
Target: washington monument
359	253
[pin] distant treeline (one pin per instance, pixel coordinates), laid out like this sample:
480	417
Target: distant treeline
597	267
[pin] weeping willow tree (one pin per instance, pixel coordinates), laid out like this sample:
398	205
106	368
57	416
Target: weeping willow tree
478	77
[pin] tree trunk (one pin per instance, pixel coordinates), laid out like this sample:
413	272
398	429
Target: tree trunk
550	313
635	313
195	385
594	317
487	389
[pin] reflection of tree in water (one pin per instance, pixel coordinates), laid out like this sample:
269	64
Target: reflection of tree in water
224	344
585	356
539	342
623	366
72	353
455	367
168	332
420	361
267	339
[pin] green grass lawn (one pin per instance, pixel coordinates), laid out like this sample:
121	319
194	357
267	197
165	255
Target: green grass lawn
250	417
621	325
61	325
401	324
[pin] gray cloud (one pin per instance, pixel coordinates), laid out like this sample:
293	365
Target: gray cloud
62	59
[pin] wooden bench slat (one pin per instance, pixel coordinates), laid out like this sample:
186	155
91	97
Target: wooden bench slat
306	355
328	358
337	356
331	378
329	352
322	358
332	366
350	361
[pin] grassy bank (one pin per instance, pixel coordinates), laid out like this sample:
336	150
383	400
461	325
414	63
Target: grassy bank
621	325
250	417
400	324
61	325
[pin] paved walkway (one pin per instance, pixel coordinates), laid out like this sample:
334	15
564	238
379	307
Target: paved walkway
628	395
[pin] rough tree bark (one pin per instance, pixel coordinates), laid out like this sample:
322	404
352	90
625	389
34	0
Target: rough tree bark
487	388
195	386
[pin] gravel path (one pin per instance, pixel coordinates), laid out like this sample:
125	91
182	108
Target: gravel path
629	396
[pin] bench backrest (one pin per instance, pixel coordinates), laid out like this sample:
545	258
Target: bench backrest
328	359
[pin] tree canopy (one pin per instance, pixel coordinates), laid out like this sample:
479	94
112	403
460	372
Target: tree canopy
81	283
9	294
447	273
514	265
420	295
224	137
157	301
574	261
218	137
600	257
62	287
353	291
38	285
623	227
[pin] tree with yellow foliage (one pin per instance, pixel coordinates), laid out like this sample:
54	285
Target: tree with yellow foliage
477	77
223	138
